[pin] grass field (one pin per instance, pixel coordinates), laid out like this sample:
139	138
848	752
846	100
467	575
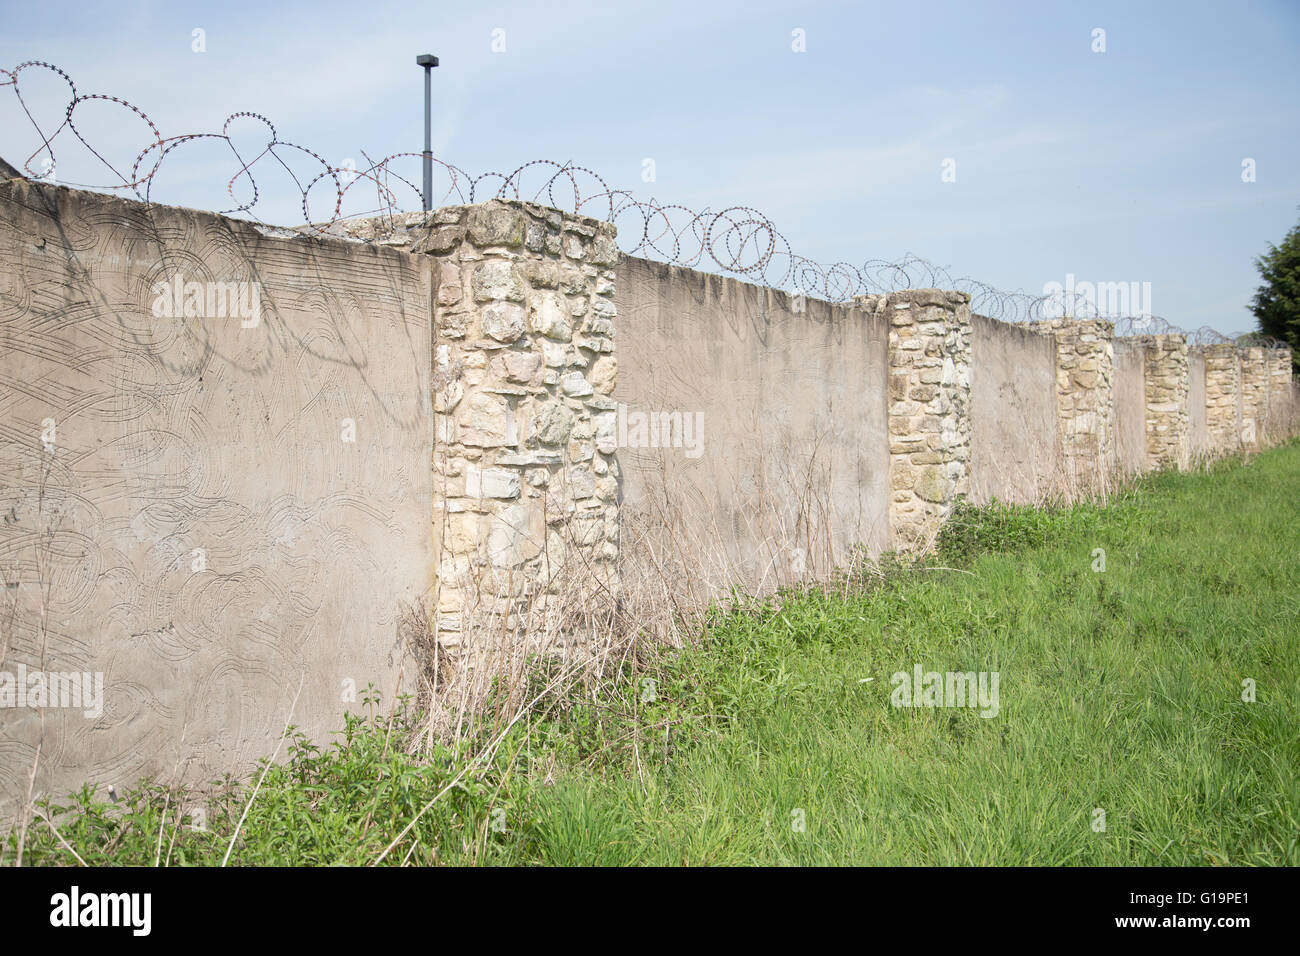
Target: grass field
774	740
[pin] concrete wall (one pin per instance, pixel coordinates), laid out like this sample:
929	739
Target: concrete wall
211	510
1198	435
1130	405
1013	411
184	509
787	403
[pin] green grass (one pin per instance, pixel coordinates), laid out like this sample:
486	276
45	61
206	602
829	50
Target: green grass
1119	689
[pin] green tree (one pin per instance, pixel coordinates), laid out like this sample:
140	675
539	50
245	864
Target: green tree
1277	302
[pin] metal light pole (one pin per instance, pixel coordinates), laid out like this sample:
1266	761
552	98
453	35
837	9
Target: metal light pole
428	61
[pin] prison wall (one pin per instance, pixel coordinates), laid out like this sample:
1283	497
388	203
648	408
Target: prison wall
1130	406
215	485
252	476
1013	412
752	426
1198	435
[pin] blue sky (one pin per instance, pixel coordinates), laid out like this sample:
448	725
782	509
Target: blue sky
1117	166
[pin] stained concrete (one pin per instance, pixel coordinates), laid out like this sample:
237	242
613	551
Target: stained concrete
189	442
1130	405
792	471
1013	411
1198	435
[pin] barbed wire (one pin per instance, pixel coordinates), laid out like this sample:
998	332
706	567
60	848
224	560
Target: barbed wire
736	240
1259	340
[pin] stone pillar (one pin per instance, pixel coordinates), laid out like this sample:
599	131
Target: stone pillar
1255	375
929	408
1222	398
1085	401
1166	394
1281	370
525	472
